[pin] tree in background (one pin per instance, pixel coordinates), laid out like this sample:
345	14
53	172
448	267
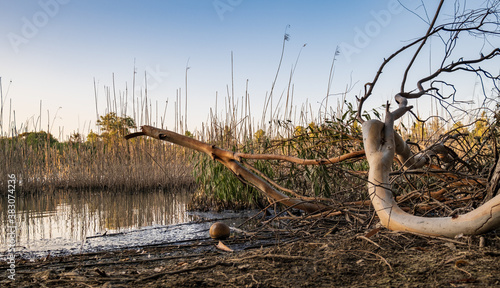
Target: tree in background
92	137
114	127
38	138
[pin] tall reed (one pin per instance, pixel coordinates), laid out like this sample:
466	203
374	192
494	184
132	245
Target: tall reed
43	163
40	162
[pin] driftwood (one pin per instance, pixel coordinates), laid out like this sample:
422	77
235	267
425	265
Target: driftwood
381	144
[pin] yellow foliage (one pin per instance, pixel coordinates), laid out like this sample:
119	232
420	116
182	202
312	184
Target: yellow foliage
259	135
481	126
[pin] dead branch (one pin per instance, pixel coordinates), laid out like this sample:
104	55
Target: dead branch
382	143
380	147
474	22
228	159
292	159
421	45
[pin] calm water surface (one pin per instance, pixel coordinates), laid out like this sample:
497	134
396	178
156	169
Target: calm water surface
66	222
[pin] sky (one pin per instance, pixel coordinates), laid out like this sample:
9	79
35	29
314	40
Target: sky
62	57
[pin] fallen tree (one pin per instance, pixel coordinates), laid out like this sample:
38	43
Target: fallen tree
383	144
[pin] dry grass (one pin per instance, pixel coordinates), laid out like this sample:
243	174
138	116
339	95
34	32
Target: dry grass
119	166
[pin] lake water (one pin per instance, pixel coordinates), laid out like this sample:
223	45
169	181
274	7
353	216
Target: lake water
67	222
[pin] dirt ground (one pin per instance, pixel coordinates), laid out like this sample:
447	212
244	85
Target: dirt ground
322	253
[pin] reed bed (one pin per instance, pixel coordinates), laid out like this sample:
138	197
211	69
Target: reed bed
473	147
127	166
102	160
282	128
305	136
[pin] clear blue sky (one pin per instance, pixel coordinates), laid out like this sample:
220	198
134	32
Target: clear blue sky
52	50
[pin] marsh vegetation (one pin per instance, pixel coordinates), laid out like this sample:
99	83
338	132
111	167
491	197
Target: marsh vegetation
103	161
315	158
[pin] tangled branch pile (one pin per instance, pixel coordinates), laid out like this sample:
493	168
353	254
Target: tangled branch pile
455	174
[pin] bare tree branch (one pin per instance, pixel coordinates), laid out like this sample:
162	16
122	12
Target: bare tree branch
431	25
475	22
228	159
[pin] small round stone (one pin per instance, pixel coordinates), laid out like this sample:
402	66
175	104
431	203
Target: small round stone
219	230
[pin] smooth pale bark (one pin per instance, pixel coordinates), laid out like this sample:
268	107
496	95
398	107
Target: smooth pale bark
231	161
381	143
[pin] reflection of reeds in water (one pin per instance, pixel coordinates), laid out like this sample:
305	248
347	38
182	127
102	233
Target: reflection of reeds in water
132	210
73	216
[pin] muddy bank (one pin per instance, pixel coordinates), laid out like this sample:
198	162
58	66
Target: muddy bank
324	253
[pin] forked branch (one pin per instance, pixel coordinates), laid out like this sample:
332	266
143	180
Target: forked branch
380	147
476	22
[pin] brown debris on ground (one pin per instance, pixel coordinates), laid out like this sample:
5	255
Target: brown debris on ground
312	253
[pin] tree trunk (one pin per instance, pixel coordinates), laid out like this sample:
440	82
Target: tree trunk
379	141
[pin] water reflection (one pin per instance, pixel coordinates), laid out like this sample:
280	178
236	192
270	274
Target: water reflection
58	220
